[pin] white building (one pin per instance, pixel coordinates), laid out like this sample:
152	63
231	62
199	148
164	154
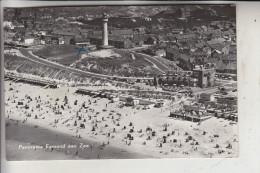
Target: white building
42	32
29	40
8	24
148	19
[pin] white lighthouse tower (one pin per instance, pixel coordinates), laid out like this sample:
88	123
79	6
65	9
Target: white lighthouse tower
105	32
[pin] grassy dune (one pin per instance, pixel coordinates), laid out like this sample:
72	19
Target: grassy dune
125	65
22	65
120	66
63	54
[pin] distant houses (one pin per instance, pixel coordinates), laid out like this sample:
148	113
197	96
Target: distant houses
212	42
117	42
123	33
138	41
151	40
120	42
172	54
82	41
47	15
186	37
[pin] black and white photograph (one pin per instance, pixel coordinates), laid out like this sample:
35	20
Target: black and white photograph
120	82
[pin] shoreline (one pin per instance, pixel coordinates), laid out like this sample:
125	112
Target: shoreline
56	138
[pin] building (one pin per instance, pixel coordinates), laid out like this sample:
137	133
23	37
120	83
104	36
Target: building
61	40
48	39
204	97
139	31
172	54
231	68
120	42
229	58
229	101
65	32
176	80
160	53
192	113
95	39
204	28
205	75
43	32
186	37
124	33
232	49
186	62
130	101
151	40
82	42
66	40
148	19
29	40
138	41
159	104
8	24
46	15
116	42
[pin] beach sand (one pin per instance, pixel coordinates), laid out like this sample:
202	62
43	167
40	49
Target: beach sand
28	135
56	125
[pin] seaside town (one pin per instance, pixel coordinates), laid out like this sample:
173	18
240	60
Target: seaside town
121	82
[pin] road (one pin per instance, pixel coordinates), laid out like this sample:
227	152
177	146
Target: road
160	65
216	89
28	54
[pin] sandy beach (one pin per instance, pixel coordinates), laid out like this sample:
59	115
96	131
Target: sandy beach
38	116
17	141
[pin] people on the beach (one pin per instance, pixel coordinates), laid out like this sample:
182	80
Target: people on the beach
86	120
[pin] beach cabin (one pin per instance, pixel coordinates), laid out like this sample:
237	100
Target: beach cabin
123	98
114	98
130	101
146	103
219	113
206	97
107	95
159	104
192	113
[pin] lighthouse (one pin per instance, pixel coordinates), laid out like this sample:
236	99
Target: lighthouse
105	32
